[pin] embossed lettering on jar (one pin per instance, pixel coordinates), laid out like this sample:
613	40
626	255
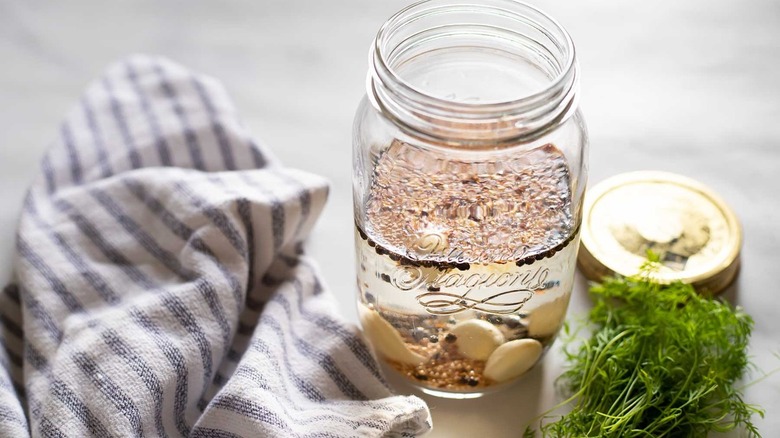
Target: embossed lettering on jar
469	169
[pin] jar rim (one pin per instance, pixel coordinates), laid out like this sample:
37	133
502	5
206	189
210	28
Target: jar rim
383	71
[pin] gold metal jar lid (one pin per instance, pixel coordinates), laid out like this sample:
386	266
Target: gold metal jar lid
695	233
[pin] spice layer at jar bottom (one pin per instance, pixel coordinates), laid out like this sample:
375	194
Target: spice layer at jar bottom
462	328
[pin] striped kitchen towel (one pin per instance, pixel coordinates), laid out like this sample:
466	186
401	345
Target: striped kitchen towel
159	289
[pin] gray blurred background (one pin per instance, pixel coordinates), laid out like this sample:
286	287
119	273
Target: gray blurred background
685	86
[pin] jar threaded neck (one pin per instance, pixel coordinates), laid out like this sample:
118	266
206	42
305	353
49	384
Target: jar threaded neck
411	43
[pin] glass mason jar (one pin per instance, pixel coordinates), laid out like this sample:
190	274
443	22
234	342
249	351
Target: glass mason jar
470	163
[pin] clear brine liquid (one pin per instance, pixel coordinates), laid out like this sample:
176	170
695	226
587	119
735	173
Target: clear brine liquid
465	267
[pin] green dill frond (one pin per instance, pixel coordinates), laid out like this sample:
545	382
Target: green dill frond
662	360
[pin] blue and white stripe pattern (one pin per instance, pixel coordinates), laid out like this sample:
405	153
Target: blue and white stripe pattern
159	287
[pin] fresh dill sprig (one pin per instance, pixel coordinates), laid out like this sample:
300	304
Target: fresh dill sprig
662	360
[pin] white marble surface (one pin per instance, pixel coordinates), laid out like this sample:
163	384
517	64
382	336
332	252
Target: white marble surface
684	86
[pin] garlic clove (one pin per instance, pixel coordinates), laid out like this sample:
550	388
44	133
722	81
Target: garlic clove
546	319
386	340
512	359
477	339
